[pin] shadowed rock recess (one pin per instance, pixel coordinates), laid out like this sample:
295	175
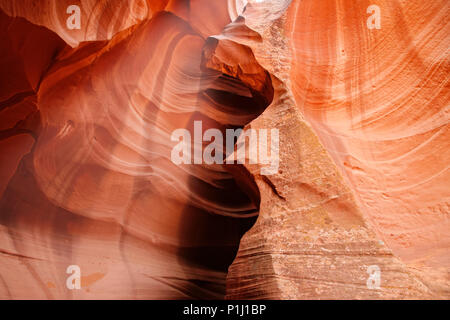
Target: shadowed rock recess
86	176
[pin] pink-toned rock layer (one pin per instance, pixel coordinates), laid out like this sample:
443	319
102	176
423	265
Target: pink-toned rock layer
86	118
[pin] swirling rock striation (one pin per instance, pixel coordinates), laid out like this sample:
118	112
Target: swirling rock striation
98	189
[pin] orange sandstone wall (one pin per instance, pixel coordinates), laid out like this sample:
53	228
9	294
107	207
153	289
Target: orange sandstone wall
86	176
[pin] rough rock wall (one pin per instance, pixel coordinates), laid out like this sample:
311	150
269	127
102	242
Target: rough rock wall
378	100
313	239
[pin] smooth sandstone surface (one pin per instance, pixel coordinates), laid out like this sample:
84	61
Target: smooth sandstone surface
86	118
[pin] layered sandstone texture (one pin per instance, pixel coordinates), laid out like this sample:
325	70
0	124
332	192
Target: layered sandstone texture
87	179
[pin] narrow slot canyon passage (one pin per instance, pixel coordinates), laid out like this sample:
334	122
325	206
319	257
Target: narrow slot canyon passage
210	235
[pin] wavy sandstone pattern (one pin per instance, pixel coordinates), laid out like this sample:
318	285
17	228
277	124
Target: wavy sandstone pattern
85	123
378	100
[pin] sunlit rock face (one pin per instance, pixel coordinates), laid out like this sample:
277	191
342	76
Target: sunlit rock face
87	179
378	100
